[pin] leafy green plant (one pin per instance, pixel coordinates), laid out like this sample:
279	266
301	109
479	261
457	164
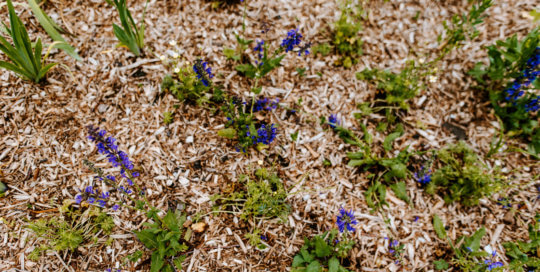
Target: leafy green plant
164	238
186	87
524	256
73	228
322	253
507	79
52	29
390	169
263	196
345	40
130	35
396	89
467	255
25	58
461	177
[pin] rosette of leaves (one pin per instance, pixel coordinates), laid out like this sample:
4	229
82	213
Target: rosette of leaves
525	256
263	196
390	168
322	253
164	237
507	60
185	86
461	177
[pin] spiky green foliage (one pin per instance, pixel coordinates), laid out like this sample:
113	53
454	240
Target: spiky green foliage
130	35
25	59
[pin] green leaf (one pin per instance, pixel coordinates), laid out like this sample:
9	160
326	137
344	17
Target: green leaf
389	139
297	261
313	267
178	262
52	28
322	249
148	238
170	221
400	190
474	241
333	265
439	227
157	262
441	265
306	255
229	133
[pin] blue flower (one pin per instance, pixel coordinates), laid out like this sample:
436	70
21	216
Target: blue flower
346	220
259	48
266	134
528	75
78	199
115	207
333	121
423	177
204	73
533	105
264	104
102	203
293	39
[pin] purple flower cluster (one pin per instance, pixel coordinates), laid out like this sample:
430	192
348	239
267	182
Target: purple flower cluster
346	220
333	121
294	39
528	75
265	104
204	73
259	48
117	158
423	177
491	264
533	105
265	134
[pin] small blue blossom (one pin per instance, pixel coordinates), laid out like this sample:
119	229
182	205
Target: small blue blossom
204	73
293	39
533	105
333	121
422	176
491	264
115	207
259	48
346	220
264	104
266	134
91	200
78	199
102	203
528	75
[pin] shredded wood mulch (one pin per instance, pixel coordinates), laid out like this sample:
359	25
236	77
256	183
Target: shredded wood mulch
43	137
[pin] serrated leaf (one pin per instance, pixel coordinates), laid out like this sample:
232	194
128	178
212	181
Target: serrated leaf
314	266
400	189
441	265
322	249
297	261
333	265
439	227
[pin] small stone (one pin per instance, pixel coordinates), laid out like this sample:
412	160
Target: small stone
183	181
509	218
189	140
102	108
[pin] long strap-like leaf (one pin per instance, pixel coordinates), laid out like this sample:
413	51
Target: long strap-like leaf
49	26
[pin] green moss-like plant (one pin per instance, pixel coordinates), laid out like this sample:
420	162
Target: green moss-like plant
461	176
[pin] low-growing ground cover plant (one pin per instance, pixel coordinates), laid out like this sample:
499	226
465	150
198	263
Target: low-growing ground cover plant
327	252
74	227
511	81
255	197
396	89
384	170
26	59
344	35
129	34
461	177
524	255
